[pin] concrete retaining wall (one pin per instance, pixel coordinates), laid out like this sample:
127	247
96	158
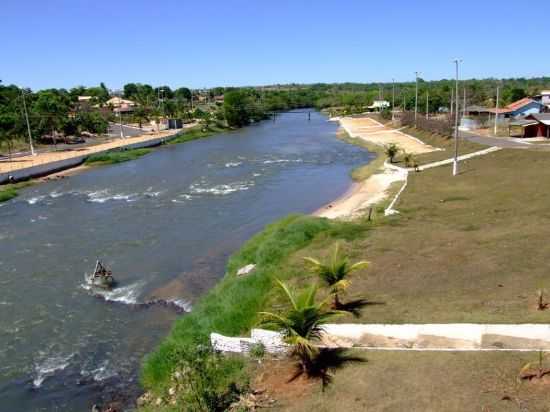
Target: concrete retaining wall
57	166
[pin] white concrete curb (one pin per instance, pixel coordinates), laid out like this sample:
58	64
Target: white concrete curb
407	337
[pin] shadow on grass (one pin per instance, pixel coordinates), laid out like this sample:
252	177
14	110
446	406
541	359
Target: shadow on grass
325	364
355	306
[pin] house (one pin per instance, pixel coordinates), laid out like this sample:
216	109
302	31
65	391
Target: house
533	125
121	105
544	98
475	110
522	107
379	105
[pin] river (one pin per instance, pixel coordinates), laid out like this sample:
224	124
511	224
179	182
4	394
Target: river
165	225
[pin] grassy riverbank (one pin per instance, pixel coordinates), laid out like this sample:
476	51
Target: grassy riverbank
231	308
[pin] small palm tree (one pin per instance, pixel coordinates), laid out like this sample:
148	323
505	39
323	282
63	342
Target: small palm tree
334	273
391	151
301	326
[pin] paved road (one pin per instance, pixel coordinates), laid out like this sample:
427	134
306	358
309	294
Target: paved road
114	130
495	141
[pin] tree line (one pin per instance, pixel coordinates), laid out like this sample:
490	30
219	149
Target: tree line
54	113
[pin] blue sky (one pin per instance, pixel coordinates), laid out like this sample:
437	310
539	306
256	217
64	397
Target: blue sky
201	43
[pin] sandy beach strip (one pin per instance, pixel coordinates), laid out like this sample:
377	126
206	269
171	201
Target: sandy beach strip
374	189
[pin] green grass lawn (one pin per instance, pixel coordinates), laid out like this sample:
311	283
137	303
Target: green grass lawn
467	249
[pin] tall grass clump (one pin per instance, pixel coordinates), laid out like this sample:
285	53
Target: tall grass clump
117	156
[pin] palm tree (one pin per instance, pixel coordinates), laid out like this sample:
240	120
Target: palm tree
335	272
302	324
391	151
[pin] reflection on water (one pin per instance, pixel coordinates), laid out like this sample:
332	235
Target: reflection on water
165	225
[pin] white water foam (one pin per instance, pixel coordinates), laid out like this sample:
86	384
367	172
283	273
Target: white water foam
282	161
101	373
221	190
102	196
48	366
233	164
125	294
35	200
182	303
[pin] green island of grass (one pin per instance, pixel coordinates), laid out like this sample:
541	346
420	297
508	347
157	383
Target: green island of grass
116	156
9	191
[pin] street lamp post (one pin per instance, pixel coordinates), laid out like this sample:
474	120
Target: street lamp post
496	112
416	100
392	99
455	160
28	124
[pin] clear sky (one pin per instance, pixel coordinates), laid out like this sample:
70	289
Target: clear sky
202	43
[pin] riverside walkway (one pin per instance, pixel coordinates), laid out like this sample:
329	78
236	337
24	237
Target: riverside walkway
25	167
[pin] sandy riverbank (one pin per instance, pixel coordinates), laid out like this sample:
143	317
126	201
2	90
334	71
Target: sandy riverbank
374	189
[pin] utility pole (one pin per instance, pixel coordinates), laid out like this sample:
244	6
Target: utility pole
455	160
416	99
28	124
496	112
464	108
120	123
427	103
452	101
392	99
403	102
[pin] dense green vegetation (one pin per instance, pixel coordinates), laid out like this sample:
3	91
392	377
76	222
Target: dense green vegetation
52	113
117	156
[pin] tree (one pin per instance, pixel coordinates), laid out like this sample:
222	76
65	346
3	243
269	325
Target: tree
8	127
301	326
236	104
391	151
183	93
130	90
335	272
52	107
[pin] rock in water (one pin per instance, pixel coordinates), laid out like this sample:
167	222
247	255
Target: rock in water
245	270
